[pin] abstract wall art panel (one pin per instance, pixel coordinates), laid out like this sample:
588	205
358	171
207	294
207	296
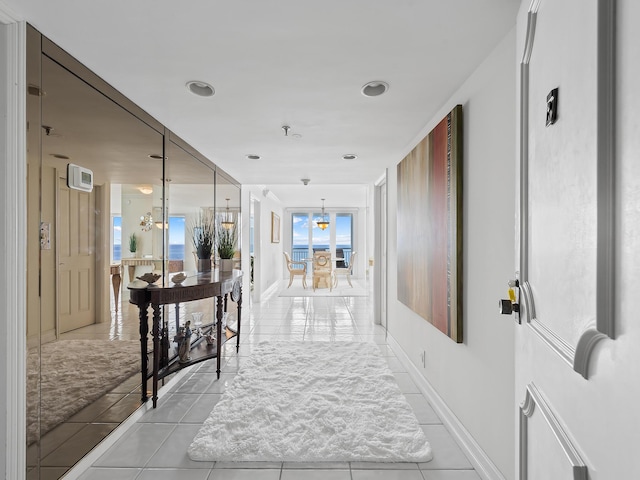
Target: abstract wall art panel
430	227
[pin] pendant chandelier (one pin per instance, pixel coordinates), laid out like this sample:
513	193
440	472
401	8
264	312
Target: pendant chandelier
324	223
228	222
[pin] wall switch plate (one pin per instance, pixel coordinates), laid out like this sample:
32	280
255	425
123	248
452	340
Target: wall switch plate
552	107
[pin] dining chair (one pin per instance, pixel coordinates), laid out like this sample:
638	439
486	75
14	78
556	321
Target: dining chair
296	268
346	271
322	270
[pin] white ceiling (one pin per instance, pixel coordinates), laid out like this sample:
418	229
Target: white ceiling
283	62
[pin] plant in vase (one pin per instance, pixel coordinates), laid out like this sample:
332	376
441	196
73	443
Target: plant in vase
226	237
202	230
133	244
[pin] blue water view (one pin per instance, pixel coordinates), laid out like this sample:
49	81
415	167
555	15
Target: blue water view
176	252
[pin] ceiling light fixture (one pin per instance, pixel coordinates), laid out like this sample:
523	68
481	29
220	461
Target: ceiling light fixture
349	156
286	129
375	88
146	190
324	223
253	156
305	181
155	156
228	222
202	89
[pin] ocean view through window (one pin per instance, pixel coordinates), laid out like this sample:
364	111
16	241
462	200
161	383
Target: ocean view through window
307	238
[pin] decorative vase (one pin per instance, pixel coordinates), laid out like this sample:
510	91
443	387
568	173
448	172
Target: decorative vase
226	264
204	264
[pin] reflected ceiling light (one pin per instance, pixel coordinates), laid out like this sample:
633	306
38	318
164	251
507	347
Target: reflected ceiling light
375	88
228	222
202	89
253	156
155	156
60	156
324	223
349	156
162	224
146	190
305	181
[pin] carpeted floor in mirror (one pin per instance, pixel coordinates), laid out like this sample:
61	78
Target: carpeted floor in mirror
157	445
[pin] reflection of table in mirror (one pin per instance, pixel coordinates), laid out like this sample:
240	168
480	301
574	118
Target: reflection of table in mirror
116	279
195	287
132	263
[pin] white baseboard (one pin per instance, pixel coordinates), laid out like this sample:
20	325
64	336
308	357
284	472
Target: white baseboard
483	465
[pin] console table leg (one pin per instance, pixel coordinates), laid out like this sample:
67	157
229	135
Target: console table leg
219	315
239	304
156	351
144	330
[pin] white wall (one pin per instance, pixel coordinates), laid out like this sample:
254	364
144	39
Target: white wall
475	379
601	414
268	254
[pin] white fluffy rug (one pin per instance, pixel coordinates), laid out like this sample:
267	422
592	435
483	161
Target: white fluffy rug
74	374
312	402
342	290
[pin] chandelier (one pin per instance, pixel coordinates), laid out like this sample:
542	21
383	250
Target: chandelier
324	223
228	222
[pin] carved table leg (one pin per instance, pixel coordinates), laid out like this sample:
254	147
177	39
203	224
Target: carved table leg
219	315
156	351
239	304
144	330
116	279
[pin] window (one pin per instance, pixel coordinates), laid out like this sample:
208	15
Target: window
116	233
305	233
176	237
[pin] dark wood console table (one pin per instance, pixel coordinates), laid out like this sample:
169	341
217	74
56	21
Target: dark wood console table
195	287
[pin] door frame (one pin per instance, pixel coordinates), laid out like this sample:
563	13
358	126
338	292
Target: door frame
380	284
13	241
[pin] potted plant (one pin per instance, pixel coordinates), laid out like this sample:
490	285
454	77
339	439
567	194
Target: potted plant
133	244
226	237
203	236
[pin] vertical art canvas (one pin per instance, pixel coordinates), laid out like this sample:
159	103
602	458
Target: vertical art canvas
430	227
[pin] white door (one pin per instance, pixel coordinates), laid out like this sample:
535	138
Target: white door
76	258
565	263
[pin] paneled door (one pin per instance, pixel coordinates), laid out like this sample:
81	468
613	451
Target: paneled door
563	286
76	258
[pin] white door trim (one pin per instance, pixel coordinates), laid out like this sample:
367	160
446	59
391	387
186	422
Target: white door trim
379	277
13	204
577	355
533	399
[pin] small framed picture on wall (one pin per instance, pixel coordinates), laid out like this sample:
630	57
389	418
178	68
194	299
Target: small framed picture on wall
275	228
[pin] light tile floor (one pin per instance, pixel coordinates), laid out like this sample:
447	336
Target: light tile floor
155	447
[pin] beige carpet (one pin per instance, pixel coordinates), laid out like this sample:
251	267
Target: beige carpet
74	374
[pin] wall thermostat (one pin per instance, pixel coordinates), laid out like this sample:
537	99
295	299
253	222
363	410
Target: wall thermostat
79	178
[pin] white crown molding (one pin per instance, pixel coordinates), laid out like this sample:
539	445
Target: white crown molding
483	465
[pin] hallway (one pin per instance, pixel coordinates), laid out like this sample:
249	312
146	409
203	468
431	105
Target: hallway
155	446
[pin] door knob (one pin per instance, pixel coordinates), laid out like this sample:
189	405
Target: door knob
508	306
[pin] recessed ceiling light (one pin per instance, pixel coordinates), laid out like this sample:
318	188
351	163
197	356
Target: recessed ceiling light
296	136
349	156
60	156
375	88
155	156
201	89
252	156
